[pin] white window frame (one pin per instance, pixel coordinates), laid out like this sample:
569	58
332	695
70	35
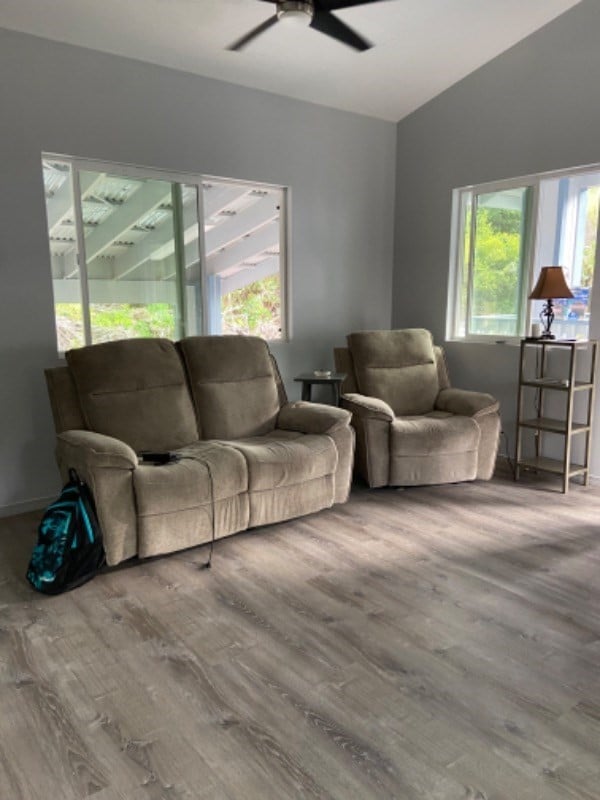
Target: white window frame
530	258
284	250
457	261
78	165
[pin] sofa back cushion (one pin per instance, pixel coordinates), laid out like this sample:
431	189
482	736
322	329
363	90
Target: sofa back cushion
398	367
64	400
344	365
233	385
136	391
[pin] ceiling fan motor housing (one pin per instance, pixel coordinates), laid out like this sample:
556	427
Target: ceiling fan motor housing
295	11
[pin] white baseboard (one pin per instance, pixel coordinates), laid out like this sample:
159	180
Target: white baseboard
36	504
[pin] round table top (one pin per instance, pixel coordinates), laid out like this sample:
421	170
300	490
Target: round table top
310	377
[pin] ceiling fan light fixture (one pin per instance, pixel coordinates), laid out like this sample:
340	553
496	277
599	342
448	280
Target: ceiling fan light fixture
298	13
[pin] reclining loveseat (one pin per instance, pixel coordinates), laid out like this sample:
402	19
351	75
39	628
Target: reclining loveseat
244	456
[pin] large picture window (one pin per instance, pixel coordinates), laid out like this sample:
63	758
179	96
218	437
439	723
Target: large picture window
136	252
503	233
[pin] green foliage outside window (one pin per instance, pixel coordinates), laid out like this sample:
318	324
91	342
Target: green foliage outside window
69	326
497	261
591	230
122	320
253	309
113	321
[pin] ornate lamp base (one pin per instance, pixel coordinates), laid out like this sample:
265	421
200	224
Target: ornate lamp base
547	318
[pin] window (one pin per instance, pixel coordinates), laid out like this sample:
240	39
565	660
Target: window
242	235
503	233
129	256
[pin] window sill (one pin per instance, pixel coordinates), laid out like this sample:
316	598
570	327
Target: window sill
487	340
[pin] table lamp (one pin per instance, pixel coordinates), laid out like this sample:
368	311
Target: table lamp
551	285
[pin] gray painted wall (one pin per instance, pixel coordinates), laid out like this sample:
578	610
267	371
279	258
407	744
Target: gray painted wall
63	99
534	108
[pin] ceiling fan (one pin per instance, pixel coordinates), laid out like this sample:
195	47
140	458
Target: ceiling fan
314	13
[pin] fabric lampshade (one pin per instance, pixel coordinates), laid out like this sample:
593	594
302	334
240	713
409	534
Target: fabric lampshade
551	284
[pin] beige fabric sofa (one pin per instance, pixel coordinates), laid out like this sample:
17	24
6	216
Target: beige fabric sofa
248	457
412	428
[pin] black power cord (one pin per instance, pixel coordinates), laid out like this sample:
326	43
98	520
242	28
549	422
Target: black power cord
509	460
208	564
166	457
205	462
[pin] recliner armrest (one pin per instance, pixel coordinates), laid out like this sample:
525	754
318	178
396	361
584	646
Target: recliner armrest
368	407
466	402
311	417
96	450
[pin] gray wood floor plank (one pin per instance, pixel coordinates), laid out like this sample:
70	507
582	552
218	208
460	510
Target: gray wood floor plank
437	642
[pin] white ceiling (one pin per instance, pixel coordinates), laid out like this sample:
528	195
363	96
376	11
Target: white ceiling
421	46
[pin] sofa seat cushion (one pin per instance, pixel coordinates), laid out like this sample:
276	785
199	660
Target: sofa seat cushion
186	483
433	434
135	390
177	507
286	458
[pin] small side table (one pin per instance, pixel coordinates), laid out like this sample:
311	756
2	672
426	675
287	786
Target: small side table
309	378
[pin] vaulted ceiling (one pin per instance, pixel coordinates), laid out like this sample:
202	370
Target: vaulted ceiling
421	47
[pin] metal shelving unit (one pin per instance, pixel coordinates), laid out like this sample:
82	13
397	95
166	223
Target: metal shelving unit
569	385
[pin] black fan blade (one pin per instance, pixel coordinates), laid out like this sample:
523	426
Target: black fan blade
326	23
264	26
336	5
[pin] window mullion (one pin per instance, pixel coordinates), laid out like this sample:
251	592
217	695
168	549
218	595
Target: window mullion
205	322
81	258
530	233
284	265
471	264
179	245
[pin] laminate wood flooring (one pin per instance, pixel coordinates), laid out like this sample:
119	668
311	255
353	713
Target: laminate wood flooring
440	643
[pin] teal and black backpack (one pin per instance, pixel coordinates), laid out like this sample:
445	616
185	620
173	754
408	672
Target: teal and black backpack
69	549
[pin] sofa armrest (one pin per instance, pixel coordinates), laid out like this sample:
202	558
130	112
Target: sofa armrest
368	407
311	417
88	450
466	403
106	465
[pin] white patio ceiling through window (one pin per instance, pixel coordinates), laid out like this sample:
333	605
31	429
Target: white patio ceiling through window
128	232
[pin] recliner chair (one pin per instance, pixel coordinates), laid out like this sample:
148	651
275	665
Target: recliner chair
412	428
